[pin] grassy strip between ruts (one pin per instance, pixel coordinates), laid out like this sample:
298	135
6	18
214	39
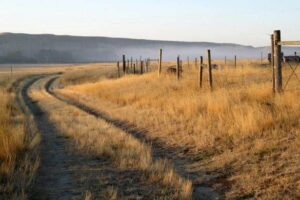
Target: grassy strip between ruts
156	178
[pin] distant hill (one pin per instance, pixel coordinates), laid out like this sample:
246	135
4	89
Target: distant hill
46	48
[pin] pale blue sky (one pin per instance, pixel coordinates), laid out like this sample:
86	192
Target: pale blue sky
235	21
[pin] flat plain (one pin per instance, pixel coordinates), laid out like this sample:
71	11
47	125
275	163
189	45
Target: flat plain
144	136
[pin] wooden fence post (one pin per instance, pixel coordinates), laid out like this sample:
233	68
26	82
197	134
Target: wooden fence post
178	68
209	69
118	66
127	66
142	67
124	64
147	67
201	72
272	63
235	61
131	63
160	62
278	59
134	68
11	71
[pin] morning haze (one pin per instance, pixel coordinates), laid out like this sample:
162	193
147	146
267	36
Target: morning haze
209	25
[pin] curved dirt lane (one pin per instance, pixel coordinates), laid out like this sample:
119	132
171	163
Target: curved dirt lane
54	179
201	192
65	172
69	172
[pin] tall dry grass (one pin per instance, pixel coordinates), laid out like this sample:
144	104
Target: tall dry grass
88	73
239	132
11	137
101	139
19	137
18	140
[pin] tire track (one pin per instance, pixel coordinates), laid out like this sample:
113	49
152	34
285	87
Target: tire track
159	151
53	180
69	173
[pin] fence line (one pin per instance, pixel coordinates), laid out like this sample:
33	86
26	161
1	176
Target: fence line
276	64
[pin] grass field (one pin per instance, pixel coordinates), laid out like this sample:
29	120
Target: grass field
149	100
100	139
240	133
19	137
239	139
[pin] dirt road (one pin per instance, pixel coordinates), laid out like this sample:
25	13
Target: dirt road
69	173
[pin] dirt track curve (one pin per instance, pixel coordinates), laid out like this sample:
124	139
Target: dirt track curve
159	151
67	173
62	167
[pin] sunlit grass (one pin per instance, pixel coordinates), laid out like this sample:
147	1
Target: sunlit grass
101	139
240	126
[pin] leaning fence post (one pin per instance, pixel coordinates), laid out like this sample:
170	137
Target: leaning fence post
146	61
178	68
118	66
200	72
272	63
142	66
124	64
149	64
160	62
127	67
277	57
235	61
209	69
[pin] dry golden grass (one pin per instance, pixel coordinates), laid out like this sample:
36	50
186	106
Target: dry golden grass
89	73
18	139
240	131
102	139
11	137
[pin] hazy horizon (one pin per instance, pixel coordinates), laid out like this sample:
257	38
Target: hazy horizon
100	36
189	21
